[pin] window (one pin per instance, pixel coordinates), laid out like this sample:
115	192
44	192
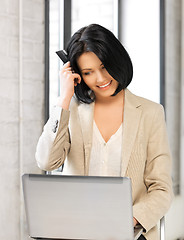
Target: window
140	34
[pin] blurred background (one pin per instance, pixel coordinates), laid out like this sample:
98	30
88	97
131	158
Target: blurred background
31	31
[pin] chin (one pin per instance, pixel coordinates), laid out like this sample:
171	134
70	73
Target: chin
106	95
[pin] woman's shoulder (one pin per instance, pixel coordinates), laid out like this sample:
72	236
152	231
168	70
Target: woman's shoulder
75	104
152	112
144	103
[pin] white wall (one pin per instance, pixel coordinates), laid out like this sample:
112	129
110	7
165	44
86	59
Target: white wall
21	105
174	107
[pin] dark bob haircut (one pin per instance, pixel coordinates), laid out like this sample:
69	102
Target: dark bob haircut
99	40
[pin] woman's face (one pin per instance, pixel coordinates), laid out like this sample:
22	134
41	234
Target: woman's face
96	76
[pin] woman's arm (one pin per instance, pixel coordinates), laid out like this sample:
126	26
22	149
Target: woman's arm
157	177
54	143
55	133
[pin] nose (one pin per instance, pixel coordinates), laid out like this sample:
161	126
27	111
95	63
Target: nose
100	77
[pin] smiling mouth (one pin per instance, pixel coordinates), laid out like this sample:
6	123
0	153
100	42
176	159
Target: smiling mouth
105	85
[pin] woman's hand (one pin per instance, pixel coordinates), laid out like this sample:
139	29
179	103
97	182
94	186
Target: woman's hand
68	79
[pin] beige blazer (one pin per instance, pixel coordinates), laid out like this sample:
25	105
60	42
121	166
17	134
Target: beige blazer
145	159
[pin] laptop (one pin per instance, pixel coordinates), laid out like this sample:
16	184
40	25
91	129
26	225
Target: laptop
78	207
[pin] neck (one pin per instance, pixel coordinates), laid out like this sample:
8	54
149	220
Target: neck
110	100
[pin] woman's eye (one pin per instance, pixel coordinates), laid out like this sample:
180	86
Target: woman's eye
87	73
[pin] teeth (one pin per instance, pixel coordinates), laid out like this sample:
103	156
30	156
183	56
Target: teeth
105	85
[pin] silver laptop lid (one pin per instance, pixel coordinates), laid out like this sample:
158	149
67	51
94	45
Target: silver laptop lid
78	207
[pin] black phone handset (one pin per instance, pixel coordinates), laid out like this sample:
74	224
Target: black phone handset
64	57
62	54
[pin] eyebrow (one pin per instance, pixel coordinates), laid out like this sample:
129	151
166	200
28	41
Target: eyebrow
84	69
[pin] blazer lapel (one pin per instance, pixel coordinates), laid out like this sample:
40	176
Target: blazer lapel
132	115
86	112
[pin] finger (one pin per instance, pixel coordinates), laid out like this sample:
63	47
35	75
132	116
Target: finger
77	77
68	69
66	65
76	81
65	69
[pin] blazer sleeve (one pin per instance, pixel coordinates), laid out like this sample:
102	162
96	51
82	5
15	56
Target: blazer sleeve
157	176
54	142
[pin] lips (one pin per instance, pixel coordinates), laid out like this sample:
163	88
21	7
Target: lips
105	85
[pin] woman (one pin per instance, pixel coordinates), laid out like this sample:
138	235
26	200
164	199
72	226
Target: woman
100	128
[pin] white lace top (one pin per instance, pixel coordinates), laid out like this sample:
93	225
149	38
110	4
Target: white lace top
105	157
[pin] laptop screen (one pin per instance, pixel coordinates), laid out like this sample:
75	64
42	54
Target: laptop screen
78	207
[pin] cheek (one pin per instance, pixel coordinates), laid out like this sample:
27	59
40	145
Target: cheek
115	83
87	82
